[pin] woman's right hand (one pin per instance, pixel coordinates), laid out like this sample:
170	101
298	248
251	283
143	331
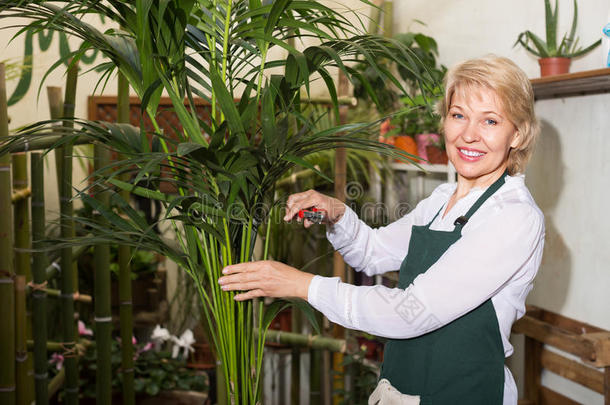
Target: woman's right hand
312	199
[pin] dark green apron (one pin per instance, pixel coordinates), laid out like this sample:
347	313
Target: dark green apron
461	362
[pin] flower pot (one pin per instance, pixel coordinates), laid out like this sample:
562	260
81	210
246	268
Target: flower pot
424	140
436	155
554	66
407	144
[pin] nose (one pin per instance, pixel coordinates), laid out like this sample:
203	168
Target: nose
470	133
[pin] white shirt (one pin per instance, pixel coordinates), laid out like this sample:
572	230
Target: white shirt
497	257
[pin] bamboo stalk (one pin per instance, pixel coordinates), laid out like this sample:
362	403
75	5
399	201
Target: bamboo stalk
103	318
125	296
81	347
54	267
56	383
39	277
388	18
7	293
316	342
64	180
68	152
338	262
52	293
21	218
22	194
24	390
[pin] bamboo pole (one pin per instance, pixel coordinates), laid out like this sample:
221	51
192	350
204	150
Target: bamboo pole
125	296
23	384
21	218
57	382
22	194
316	342
338	262
52	293
63	166
81	347
54	267
103	318
39	277
7	293
68	151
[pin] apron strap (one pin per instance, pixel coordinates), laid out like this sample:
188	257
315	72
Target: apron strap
437	212
461	221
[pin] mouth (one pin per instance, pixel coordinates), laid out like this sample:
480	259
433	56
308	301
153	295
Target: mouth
470	155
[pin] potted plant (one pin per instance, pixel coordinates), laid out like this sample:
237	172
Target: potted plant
553	58
224	166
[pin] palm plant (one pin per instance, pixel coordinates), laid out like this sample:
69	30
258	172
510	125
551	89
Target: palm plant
224	167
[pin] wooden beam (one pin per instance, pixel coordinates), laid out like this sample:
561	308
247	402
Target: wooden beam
573	370
551	335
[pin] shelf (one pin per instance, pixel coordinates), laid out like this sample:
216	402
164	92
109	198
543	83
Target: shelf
572	84
424	167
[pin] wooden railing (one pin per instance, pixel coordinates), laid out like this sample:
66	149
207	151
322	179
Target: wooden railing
591	344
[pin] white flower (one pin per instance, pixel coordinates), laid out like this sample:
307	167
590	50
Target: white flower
159	336
184	342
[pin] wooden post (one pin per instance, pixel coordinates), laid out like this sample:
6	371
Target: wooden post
533	370
607	385
125	297
7	292
39	296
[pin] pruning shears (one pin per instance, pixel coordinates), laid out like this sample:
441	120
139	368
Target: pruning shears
315	215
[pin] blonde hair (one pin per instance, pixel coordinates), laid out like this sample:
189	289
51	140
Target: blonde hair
513	89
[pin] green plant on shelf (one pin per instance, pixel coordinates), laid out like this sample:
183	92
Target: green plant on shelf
567	48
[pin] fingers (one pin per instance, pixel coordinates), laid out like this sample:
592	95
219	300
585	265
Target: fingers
249	295
243	267
299	201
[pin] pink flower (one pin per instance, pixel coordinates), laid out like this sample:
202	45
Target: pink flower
148	346
58	360
82	329
133	340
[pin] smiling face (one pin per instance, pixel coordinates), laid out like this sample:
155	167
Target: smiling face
478	136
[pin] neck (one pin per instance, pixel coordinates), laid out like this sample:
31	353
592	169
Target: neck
464	184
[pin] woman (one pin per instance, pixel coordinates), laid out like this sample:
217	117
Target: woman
467	254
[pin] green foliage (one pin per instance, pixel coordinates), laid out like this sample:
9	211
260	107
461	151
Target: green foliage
567	48
153	372
224	167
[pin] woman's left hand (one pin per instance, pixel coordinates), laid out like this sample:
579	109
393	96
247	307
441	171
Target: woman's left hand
265	279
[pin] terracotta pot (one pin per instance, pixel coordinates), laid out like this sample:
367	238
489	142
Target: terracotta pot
406	143
554	66
424	140
436	155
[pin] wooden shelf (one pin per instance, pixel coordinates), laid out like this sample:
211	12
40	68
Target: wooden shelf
572	84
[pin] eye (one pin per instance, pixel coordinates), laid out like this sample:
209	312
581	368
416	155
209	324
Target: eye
489	121
457	116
